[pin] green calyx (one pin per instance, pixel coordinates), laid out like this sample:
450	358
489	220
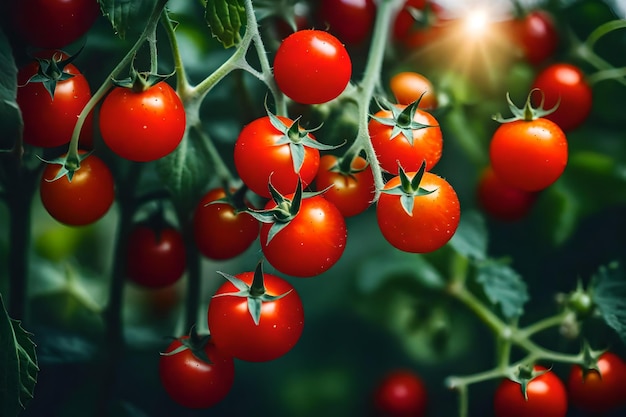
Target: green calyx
234	199
195	343
589	362
401	119
528	112
139	82
344	165
51	71
409	188
69	165
255	293
524	375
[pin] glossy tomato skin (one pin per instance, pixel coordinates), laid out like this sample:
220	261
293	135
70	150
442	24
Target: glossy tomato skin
280	325
155	258
258	158
351	21
219	232
53	24
82	201
408	86
406	30
352	194
193	383
502	201
49	122
313	241
546	393
434	219
567	82
537	35
401	393
142	126
599	392
427	143
529	155
312	67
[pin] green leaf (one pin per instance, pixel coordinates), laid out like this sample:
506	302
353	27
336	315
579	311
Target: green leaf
470	239
10	116
608	291
503	286
127	14
18	365
225	18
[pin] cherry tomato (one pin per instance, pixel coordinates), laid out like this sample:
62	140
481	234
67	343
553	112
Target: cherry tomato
432	222
311	243
219	232
191	381
529	155
409	86
546	397
502	201
567	82
53	23
427	142
312	67
401	393
351	193
155	257
599	392
49	122
537	36
82	201
280	324
260	154
349	20
142	126
416	35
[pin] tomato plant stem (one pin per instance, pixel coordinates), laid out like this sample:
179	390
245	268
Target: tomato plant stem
192	301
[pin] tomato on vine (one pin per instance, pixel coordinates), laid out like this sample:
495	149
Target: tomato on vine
50	24
194	373
566	85
155	255
84	199
545	396
418	212
537	36
144	123
409	86
405	135
501	200
51	95
416	30
349	20
401	393
255	316
350	188
312	67
528	151
599	389
276	147
220	229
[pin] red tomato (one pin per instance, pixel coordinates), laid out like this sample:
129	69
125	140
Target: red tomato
502	201
350	20
53	23
219	232
546	397
280	325
599	392
567	82
155	258
350	193
409	86
433	221
82	201
537	36
50	122
312	67
142	126
259	155
311	243
400	393
192	382
416	35
427	142
529	155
